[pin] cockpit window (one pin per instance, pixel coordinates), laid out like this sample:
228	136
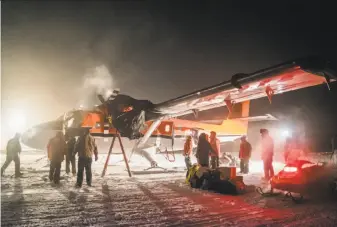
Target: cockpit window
70	122
73	118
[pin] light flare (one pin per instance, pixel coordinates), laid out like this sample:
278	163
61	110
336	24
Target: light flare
16	121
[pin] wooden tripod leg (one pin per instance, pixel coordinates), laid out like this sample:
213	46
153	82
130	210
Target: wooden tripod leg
124	155
108	157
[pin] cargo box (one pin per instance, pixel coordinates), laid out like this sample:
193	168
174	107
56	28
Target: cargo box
227	173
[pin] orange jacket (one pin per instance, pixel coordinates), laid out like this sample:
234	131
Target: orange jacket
215	144
245	150
188	147
56	149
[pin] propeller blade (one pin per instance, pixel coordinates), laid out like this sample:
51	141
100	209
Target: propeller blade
101	98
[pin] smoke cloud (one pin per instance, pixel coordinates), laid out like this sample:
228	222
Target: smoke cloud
97	80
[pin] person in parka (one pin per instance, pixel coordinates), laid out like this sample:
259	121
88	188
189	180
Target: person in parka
267	145
188	146
13	149
215	143
70	157
85	148
244	154
204	150
56	150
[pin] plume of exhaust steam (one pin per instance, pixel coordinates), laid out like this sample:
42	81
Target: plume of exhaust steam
100	80
96	81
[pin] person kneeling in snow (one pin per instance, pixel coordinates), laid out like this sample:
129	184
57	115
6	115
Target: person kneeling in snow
86	148
56	150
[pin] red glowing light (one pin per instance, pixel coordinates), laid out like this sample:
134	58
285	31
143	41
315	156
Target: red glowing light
127	109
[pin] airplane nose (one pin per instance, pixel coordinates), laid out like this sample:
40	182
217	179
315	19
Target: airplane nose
37	137
26	136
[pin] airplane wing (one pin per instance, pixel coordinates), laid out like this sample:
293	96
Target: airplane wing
285	77
128	115
267	117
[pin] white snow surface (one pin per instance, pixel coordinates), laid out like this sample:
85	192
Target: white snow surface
144	200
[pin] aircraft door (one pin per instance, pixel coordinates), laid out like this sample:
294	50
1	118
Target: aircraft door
166	130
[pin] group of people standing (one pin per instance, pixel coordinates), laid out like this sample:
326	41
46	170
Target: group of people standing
207	153
209	148
267	154
60	146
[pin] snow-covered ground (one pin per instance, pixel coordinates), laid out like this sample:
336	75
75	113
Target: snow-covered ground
144	200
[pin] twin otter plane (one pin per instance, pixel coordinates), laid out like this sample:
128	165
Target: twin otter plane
157	131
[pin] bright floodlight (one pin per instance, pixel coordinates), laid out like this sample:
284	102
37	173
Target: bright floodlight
286	133
17	122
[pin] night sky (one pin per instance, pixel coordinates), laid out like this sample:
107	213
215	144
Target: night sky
157	50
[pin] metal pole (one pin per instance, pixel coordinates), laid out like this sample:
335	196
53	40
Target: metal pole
124	155
332	147
108	157
146	136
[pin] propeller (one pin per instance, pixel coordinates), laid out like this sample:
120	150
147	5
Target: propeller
112	96
101	98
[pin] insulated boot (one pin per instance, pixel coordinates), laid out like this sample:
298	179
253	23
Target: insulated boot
18	175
